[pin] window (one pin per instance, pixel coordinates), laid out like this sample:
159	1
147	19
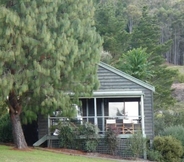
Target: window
128	108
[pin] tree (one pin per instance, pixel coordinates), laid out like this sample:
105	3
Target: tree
136	63
111	24
147	35
47	50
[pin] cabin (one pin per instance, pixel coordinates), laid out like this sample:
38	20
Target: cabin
121	100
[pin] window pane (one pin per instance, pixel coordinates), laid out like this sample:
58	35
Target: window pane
116	109
132	110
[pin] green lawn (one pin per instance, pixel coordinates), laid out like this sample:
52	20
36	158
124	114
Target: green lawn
8	154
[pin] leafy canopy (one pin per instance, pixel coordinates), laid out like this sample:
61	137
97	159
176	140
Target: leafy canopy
48	48
136	63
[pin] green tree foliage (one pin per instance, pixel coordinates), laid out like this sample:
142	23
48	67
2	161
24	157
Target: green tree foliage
110	24
163	80
136	63
47	50
147	35
143	33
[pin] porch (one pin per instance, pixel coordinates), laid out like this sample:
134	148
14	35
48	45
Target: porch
123	111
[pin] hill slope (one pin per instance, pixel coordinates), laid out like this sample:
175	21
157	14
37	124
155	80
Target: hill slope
178	87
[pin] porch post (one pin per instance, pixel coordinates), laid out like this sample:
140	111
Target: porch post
103	114
95	112
49	124
142	115
87	110
143	125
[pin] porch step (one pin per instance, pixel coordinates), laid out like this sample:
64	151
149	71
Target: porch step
43	139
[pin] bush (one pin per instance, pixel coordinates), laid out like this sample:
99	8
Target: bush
111	139
167	119
67	136
83	137
137	145
170	148
5	129
90	145
174	131
154	155
89	133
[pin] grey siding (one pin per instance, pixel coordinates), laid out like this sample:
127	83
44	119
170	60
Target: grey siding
112	81
42	126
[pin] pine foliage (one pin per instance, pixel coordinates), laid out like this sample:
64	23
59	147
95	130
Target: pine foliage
48	48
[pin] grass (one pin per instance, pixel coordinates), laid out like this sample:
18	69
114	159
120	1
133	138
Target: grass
8	154
177	67
180	70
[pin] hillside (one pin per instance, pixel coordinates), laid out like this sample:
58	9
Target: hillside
178	86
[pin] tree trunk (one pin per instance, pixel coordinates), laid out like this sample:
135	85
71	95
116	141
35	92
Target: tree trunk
15	107
18	135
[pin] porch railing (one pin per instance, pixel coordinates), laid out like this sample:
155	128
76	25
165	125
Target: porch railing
123	124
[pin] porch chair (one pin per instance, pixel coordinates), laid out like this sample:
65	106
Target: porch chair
128	126
110	123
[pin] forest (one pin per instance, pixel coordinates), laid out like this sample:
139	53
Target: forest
121	19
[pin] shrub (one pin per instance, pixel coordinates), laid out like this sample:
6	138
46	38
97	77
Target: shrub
111	139
90	145
5	129
154	155
137	144
170	148
83	137
89	133
167	119
67	135
174	131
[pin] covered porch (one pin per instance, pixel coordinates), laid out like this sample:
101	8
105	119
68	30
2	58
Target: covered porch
123	110
120	110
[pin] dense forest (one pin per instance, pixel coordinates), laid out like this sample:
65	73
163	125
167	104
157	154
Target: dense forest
118	21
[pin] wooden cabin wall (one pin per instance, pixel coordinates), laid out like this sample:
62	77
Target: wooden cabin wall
42	126
112	82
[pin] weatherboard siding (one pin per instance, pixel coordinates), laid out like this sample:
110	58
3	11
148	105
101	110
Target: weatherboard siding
42	126
112	81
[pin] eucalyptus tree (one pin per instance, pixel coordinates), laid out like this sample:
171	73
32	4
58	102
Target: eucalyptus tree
147	35
111	24
47	50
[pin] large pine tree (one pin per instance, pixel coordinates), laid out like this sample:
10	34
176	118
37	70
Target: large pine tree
48	48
